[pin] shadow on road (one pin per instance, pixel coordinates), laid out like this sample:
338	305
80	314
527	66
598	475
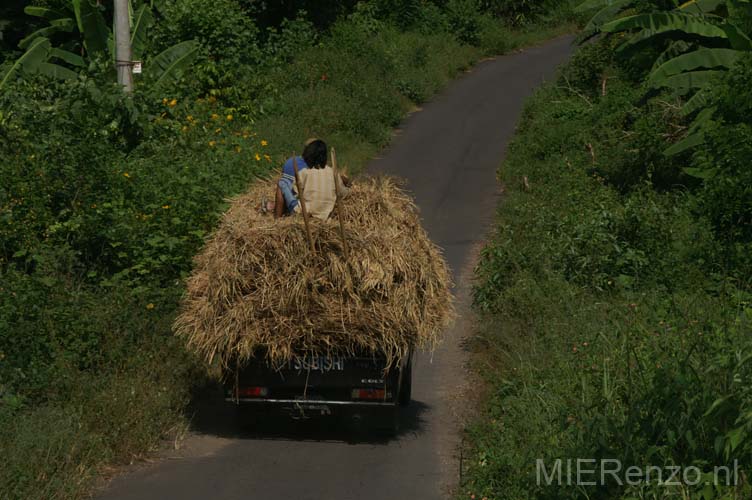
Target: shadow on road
212	415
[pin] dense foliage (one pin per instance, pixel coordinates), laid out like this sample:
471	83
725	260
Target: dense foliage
619	286
104	199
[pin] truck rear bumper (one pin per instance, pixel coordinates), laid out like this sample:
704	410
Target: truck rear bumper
301	402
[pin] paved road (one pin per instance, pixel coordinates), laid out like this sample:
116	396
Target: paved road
448	152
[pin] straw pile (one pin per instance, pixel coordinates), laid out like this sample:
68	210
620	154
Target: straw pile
256	287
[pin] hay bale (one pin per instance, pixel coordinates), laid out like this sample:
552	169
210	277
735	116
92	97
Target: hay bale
257	288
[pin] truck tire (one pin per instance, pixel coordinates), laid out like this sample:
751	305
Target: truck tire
406	389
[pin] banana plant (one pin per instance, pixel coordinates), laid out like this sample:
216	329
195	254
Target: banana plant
609	10
695	32
696	17
35	60
692	72
167	66
90	37
701	45
40	57
686	71
81	19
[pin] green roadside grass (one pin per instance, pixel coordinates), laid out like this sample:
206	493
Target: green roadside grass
394	72
90	374
614	326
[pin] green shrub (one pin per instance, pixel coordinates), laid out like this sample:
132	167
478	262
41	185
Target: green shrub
420	75
495	37
139	216
627	129
403	13
616	325
631	137
110	412
283	44
229	40
589	66
520	12
465	20
726	198
721	163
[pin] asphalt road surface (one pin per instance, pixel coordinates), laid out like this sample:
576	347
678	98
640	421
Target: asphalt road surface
448	153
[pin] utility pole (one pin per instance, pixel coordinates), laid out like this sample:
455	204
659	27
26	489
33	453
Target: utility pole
123	54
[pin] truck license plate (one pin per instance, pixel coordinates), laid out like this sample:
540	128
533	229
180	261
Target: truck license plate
318	364
322	409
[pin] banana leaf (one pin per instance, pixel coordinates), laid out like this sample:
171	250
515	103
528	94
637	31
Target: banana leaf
44	12
36	54
168	65
662	22
91	24
689	142
603	16
40	33
684	82
701	7
142	20
698	101
691	61
69	57
55	71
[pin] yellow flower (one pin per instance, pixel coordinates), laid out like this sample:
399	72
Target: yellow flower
245	135
218	131
164	100
264	143
267	158
126	175
229	118
150	306
173	103
165	207
212	144
258	158
185	128
214	116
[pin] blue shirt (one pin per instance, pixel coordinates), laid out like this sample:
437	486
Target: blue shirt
287	182
287	170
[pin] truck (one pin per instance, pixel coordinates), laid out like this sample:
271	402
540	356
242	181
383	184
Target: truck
359	386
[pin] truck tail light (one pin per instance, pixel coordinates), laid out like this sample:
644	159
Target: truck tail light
372	394
252	392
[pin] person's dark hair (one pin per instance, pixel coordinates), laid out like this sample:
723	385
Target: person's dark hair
315	154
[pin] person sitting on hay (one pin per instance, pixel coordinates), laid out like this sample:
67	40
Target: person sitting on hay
285	199
317	182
